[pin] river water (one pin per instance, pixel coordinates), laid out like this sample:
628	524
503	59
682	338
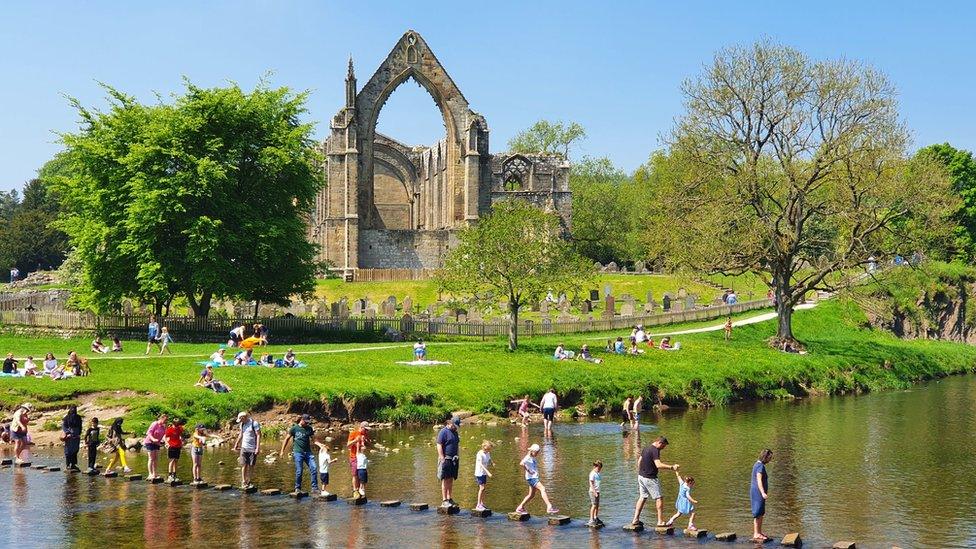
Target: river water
882	469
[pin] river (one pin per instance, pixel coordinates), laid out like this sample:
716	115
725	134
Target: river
883	469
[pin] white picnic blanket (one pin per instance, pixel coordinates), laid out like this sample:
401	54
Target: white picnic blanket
423	362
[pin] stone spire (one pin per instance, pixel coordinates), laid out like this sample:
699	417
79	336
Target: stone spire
350	85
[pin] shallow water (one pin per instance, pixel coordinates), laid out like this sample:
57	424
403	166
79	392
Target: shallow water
889	468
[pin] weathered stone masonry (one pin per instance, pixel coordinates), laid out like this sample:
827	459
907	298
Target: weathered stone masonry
391	205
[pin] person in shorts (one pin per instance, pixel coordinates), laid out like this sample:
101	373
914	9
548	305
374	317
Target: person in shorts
174	446
358	438
549	403
648	485
361	464
153	442
199	441
482	464
448	445
593	489
152	334
325	459
530	466
249	442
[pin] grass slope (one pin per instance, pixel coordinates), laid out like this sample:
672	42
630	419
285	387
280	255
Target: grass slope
844	358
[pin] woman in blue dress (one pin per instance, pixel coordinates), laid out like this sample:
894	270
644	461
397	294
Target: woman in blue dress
758	492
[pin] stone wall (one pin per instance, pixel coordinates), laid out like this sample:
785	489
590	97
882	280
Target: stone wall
395	249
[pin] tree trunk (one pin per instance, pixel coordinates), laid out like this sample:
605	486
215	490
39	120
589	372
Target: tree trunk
257	305
784	308
201	307
513	324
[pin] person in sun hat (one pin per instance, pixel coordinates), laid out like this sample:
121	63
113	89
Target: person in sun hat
531	468
249	442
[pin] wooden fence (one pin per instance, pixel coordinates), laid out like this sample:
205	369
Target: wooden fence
392	275
308	329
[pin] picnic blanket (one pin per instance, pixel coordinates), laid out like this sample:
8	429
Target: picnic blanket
278	364
423	362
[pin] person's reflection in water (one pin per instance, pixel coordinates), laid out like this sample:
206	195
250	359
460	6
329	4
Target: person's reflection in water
150	519
632	445
523	441
449	535
196	526
174	530
247	536
549	458
481	535
354	532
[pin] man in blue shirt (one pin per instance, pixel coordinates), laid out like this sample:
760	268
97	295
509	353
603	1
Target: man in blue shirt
448	443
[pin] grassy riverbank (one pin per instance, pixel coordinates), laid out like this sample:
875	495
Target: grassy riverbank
482	377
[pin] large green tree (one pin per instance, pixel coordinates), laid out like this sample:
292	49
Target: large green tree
517	253
791	168
961	168
547	137
609	207
204	197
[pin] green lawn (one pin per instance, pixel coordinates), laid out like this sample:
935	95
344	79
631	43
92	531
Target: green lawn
482	376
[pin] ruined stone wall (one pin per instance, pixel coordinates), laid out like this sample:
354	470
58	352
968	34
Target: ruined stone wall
402	249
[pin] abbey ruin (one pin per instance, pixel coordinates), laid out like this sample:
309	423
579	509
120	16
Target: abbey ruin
390	205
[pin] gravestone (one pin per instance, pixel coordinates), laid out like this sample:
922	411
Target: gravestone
587	307
321	309
343	309
564	306
597	266
649	297
562	299
564	317
544	307
627	309
127	308
682	293
609	308
371	311
690	303
606	290
612	267
594	295
406	323
546	323
388	307
649	308
677	305
358	307
666	302
408	304
462	318
474	316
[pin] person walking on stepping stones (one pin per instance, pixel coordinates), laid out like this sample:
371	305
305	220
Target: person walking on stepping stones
152	443
758	493
357	438
325	459
115	445
448	443
249	442
18	430
301	435
482	464
71	436
198	440
649	486
174	447
92	440
531	468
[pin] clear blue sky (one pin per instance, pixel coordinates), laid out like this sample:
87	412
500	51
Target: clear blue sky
615	67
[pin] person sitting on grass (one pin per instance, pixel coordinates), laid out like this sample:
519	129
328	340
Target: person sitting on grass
290	361
30	369
609	347
561	353
217	358
266	360
116	345
78	366
10	364
207	381
585	354
618	346
634	350
98	347
666	345
419	350
244	358
51	367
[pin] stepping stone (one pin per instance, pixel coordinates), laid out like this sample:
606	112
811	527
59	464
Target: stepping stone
725	536
518	517
559	520
697	534
451	510
222	487
199	484
133	477
250	490
39	467
595	525
155	480
298	494
330	497
634	527
271	492
6	461
664	530
845	545
390	503
791	540
24	465
175	482
92	472
53	469
419	507
484	513
356	501
110	474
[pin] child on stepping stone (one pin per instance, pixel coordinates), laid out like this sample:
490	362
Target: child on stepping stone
481	473
531	468
361	463
594	491
685	504
324	460
199	441
92	436
174	446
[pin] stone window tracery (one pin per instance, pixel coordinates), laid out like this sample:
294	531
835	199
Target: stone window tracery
515	173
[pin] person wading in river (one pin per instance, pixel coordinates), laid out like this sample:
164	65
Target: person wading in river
649	486
448	444
249	442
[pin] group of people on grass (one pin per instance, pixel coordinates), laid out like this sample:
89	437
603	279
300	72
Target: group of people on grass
240	337
245	357
49	368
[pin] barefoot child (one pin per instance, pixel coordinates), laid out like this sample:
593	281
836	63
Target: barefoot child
685	504
199	442
361	463
481	473
324	460
728	329
531	468
594	483
523	408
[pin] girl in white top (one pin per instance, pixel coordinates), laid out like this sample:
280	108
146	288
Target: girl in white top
594	491
361	464
531	468
164	340
30	369
324	460
481	473
218	358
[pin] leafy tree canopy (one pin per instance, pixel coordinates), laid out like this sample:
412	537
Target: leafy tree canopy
609	207
545	137
517	253
203	197
961	169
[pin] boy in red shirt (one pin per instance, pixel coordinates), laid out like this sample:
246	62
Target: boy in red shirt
174	446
